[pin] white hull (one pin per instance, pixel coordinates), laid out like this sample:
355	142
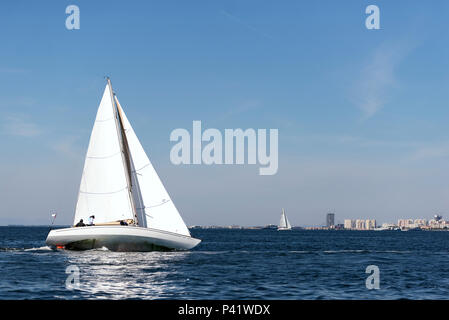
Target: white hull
119	238
283	229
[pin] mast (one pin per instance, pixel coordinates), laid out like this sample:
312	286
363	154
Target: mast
125	151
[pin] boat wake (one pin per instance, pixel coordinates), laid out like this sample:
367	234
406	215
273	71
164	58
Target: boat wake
35	249
44	248
365	251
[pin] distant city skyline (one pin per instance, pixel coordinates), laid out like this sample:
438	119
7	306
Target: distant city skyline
362	114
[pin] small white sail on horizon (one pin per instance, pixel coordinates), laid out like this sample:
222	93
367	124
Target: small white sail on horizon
284	224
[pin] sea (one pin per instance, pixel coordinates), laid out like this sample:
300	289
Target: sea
234	264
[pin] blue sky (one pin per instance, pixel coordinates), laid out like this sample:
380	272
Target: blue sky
362	114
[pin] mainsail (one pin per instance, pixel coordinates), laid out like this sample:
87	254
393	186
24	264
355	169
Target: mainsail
119	181
104	190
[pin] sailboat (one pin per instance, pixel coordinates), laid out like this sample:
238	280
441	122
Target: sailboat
284	224
121	189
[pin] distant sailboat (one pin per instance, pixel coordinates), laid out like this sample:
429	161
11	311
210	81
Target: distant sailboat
119	186
284	224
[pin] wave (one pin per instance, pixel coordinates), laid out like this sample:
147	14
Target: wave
209	252
10	249
36	249
366	251
346	251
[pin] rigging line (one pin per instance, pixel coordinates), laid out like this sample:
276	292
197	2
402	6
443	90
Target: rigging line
105	120
104	157
157	205
135	171
85	192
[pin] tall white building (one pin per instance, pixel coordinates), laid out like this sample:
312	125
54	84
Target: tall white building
349	224
437	224
360	224
370	224
410	223
405	223
420	222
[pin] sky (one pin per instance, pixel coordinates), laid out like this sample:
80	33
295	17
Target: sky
361	114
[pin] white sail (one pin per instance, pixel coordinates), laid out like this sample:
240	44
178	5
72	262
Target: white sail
119	183
284	223
104	188
151	198
289	226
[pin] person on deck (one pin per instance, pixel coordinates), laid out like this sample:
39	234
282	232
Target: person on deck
80	224
123	223
91	220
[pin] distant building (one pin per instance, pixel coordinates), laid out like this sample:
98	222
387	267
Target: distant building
349	224
438	223
417	223
405	223
330	220
370	224
360	224
420	222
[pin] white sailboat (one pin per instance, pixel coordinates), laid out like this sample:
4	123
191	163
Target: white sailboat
284	224
119	184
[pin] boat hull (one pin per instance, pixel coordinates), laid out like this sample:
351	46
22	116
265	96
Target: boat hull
119	238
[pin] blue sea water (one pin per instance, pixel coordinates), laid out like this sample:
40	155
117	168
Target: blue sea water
233	264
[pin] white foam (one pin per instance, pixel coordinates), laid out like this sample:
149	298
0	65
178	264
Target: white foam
44	248
102	249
